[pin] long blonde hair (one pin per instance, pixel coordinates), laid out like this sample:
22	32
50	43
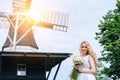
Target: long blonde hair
90	52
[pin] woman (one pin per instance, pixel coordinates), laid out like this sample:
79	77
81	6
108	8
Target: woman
89	67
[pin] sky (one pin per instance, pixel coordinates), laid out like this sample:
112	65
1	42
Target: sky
84	17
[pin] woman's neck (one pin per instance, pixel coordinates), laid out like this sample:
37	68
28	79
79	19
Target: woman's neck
83	55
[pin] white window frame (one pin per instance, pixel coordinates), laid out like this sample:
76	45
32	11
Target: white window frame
21	69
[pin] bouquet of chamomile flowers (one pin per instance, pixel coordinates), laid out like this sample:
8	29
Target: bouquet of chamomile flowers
77	60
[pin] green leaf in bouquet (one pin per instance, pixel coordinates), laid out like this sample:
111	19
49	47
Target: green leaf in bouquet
74	74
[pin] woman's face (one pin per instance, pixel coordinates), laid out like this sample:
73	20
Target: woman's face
84	49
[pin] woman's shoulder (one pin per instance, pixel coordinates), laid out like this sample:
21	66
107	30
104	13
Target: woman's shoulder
90	57
84	57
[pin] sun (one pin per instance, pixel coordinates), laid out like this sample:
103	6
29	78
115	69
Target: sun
34	14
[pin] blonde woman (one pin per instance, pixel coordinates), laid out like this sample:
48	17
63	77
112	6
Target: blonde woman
89	67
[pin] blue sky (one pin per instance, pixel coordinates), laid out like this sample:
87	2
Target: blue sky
84	18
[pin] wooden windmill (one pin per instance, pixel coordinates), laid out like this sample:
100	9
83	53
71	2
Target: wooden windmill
22	21
29	64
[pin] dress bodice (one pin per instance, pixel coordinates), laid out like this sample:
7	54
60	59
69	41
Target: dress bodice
86	62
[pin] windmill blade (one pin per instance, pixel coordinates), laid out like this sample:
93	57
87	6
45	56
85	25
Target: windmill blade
53	19
4	23
21	5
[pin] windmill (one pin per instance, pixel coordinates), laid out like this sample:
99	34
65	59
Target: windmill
19	59
23	19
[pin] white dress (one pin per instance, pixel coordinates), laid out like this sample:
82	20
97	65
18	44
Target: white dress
86	76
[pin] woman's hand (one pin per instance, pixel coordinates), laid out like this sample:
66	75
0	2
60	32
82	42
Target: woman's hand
78	67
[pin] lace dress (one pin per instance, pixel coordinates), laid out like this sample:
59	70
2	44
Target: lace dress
86	76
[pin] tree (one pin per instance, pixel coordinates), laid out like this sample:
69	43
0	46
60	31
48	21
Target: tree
109	37
100	75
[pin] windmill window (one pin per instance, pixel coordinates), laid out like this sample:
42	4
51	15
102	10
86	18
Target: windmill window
21	69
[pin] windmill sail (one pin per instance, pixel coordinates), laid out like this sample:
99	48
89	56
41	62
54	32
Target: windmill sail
20	32
56	20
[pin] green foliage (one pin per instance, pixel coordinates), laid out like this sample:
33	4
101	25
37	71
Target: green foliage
109	38
100	75
74	74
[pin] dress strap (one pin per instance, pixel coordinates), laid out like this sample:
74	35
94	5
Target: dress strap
88	57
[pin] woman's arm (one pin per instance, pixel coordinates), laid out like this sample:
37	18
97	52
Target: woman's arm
92	65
